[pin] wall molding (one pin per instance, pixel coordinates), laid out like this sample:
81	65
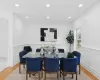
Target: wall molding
38	44
97	49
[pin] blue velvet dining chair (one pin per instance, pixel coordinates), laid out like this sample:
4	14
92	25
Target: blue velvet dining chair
38	50
22	60
61	51
61	65
28	48
51	65
68	66
33	66
78	55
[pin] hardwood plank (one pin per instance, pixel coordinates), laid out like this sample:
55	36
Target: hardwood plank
88	73
6	72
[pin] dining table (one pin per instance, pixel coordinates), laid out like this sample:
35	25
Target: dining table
50	55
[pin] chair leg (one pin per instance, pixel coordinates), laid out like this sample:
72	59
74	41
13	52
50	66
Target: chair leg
58	75
19	68
76	76
79	68
39	75
29	75
26	76
63	76
72	76
44	75
23	65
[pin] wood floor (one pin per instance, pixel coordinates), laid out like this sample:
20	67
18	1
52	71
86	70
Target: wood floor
6	72
16	76
13	74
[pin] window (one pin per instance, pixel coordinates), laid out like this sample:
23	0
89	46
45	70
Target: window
78	37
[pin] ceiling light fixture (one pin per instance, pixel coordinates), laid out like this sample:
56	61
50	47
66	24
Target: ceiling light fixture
26	17
48	17
17	5
47	5
80	5
69	17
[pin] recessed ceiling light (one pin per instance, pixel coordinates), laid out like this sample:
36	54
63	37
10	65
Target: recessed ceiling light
69	17
26	17
48	17
17	5
47	5
80	5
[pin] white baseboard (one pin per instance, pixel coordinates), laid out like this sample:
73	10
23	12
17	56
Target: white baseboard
90	69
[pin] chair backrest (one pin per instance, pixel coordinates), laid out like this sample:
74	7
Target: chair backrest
61	63
33	64
51	64
61	51
38	50
78	55
28	48
21	54
69	64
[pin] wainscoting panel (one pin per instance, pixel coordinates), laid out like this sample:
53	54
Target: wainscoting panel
91	60
3	63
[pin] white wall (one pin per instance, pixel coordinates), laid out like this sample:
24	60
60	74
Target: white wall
90	32
29	34
90	26
3	43
18	31
3	37
6	23
17	37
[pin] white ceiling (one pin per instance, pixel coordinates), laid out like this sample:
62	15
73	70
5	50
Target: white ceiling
37	11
